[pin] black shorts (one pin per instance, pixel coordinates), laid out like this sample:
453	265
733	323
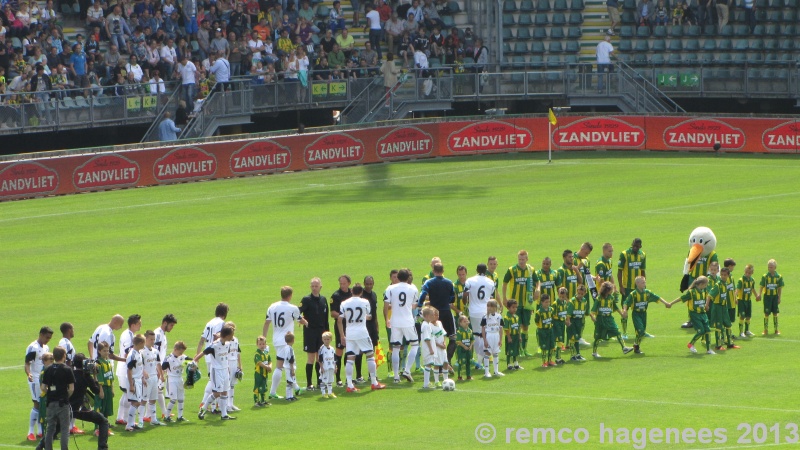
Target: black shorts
373	333
312	339
448	323
336	338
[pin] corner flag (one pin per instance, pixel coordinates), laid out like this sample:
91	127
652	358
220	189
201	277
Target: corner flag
551	117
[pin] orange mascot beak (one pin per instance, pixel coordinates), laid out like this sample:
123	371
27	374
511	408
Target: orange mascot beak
694	255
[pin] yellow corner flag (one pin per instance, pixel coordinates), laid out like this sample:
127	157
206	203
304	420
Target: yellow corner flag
380	357
552	117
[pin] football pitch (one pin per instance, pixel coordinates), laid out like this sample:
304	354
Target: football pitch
183	248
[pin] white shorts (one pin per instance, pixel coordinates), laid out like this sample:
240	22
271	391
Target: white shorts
494	343
232	375
358	346
327	376
151	390
440	358
396	335
220	380
35	389
123	380
175	389
475	323
279	350
136	397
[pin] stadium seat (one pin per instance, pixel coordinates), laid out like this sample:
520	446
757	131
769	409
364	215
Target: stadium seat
741	45
692	45
560	5
518	62
571	59
742	30
537	47
706	58
627	17
553	61
76	9
790	15
507	48
790	4
710	45
629	5
623	57
710	30
787	45
543	6
626	31
774	16
66	10
556	33
527	6
509	6
761	15
725	58
453	7
625	46
761	4
576	5
740	58
657	59
323	12
676	31
540	33
572	47
575	18
690	58
556	47
524	33
775	4
725	45
660	31
537	62
789	30
559	19
756	45
659	46
693	30
448	21
507	36
525	20
675	45
520	47
675	59
641	46
574	33
787	58
541	20
727	30
643	32
435	62
771	58
737	17
640	59
772	30
771	45
508	20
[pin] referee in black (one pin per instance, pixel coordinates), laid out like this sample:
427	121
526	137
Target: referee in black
441	295
341	294
314	309
58	382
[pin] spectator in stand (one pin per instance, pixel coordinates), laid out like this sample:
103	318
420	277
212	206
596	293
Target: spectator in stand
239	21
356	9
238	54
153	57
403	48
336	58
662	14
750	14
167	131
613	14
411	26
95	17
436	40
203	38
39	85
263	29
431	15
219	45
256	46
181	115
422	42
116	29
305	31
604	53
722	12
111	59
322	70
190	14
268	55
390	73
336	17
327	41
285	45
78	67
452	45
704	12
49	17
687	17
346	42
157	85
93	45
133	68
369	55
384	10
645	13
481	56
394	32
188	74
168	59
375	29
416	10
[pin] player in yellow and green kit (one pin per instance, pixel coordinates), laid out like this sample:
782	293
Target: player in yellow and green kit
465	340
560	322
491	272
576	312
771	287
458	286
568	276
547	285
632	263
745	289
718	301
263	366
522	277
695	298
637	301
511	329
543	318
105	378
731	264
701	269
605	327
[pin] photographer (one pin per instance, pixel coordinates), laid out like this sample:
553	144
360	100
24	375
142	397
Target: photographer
58	382
81	406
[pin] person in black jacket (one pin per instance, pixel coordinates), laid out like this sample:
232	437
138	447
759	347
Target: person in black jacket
58	382
81	409
40	86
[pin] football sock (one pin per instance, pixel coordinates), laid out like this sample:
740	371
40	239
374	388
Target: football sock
131	416
151	412
728	335
338	368
231	392
372	368
524	340
34	419
696	337
396	362
775	322
746	325
161	401
544	357
577	348
180	407
142	409
468	363
223	405
741	326
122	411
716	337
445	372
276	381
594	345
621	342
349	372
496	362
508	359
558	351
207	390
624	325
416	359
413	351
486	362
708	341
766	323
359	362
316	370
289	389
309	375
451	349
436	372
426	378
549	356
172	405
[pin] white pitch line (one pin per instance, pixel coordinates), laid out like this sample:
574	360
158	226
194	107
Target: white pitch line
753	339
722	202
11	367
14	446
633	400
715	214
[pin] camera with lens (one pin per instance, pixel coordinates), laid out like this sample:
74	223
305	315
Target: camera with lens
90	366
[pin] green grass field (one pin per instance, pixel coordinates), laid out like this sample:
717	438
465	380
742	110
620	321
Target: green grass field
183	248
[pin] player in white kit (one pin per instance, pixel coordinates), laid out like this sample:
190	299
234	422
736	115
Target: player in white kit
234	366
213	327
219	351
134	368
478	290
125	346
167	323
173	366
283	315
355	312
154	377
401	298
492	331
33	368
327	358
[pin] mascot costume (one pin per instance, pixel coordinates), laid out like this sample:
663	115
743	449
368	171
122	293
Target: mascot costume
702	246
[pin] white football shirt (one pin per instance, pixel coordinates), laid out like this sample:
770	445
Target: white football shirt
33	354
481	290
233	355
218	352
135	363
282	315
103	333
328	357
151	359
213	327
354	312
493	323
173	365
125	347
67	344
161	343
403	298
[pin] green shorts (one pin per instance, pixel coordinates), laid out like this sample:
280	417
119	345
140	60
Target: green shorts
605	328
524	316
559	327
575	330
745	309
639	322
771	305
105	405
512	348
260	384
545	336
699	322
464	356
719	318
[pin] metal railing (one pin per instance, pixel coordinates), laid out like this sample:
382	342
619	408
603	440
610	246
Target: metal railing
414	91
364	102
169	106
227	99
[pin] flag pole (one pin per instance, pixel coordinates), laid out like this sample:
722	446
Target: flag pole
549	142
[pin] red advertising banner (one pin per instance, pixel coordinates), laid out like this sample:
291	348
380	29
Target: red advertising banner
39	177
